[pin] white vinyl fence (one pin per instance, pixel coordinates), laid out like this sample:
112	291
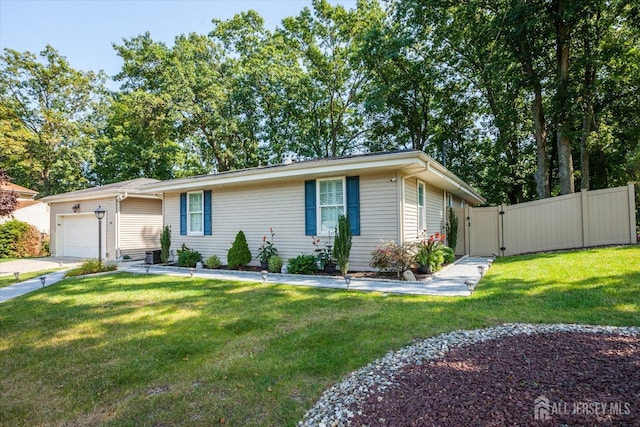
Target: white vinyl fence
579	220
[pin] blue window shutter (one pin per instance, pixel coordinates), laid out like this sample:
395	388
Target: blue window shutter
183	214
353	203
207	213
310	208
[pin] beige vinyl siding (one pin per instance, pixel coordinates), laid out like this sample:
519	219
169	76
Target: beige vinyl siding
379	221
86	206
140	226
254	208
435	210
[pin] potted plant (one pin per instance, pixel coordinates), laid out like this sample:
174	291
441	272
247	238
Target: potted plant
267	250
429	254
324	254
422	258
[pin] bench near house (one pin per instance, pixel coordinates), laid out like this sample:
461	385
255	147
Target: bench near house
388	196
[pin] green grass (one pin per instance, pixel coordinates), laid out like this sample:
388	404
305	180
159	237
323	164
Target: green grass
146	350
10	279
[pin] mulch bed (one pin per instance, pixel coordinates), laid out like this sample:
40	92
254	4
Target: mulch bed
586	379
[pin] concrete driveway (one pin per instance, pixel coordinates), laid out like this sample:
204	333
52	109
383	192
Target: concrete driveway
37	264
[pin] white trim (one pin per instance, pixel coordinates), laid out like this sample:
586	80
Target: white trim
195	233
318	207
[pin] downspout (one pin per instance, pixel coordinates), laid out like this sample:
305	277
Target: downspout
119	198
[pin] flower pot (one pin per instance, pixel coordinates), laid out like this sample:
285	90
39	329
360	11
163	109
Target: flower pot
424	269
264	265
329	268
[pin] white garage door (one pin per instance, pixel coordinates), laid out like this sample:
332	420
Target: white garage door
80	236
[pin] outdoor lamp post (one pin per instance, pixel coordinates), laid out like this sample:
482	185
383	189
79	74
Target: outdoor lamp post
42	280
264	273
99	214
17	276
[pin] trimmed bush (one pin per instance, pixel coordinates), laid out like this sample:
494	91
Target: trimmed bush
452	230
189	258
213	262
19	239
275	264
303	264
239	254
449	255
165	244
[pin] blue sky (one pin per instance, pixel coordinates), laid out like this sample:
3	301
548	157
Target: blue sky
83	30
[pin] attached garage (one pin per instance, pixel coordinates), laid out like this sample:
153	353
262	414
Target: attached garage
78	236
131	226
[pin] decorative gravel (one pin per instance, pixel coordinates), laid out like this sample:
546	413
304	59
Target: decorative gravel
576	374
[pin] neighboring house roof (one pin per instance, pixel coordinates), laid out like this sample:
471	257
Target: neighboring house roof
412	162
130	187
23	192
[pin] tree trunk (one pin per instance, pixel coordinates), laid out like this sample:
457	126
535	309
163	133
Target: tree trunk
565	160
542	168
588	119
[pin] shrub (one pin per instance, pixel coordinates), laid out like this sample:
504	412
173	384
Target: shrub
239	254
165	244
213	262
452	229
342	247
390	256
449	255
303	264
188	257
19	239
275	264
91	266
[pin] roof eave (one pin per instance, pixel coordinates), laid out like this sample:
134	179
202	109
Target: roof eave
397	160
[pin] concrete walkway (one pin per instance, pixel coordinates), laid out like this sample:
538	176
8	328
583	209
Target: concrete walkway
448	282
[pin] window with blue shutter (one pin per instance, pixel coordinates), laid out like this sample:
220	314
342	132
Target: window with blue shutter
310	208
183	214
353	203
325	198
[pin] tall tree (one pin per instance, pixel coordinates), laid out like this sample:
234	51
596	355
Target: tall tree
46	118
328	40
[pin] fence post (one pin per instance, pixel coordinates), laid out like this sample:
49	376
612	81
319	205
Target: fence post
584	198
632	214
467	230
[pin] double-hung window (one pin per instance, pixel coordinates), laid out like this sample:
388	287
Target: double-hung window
195	213
332	201
422	207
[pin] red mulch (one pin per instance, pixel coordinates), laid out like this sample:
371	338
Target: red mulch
588	379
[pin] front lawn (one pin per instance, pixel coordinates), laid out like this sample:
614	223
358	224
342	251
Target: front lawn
147	350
